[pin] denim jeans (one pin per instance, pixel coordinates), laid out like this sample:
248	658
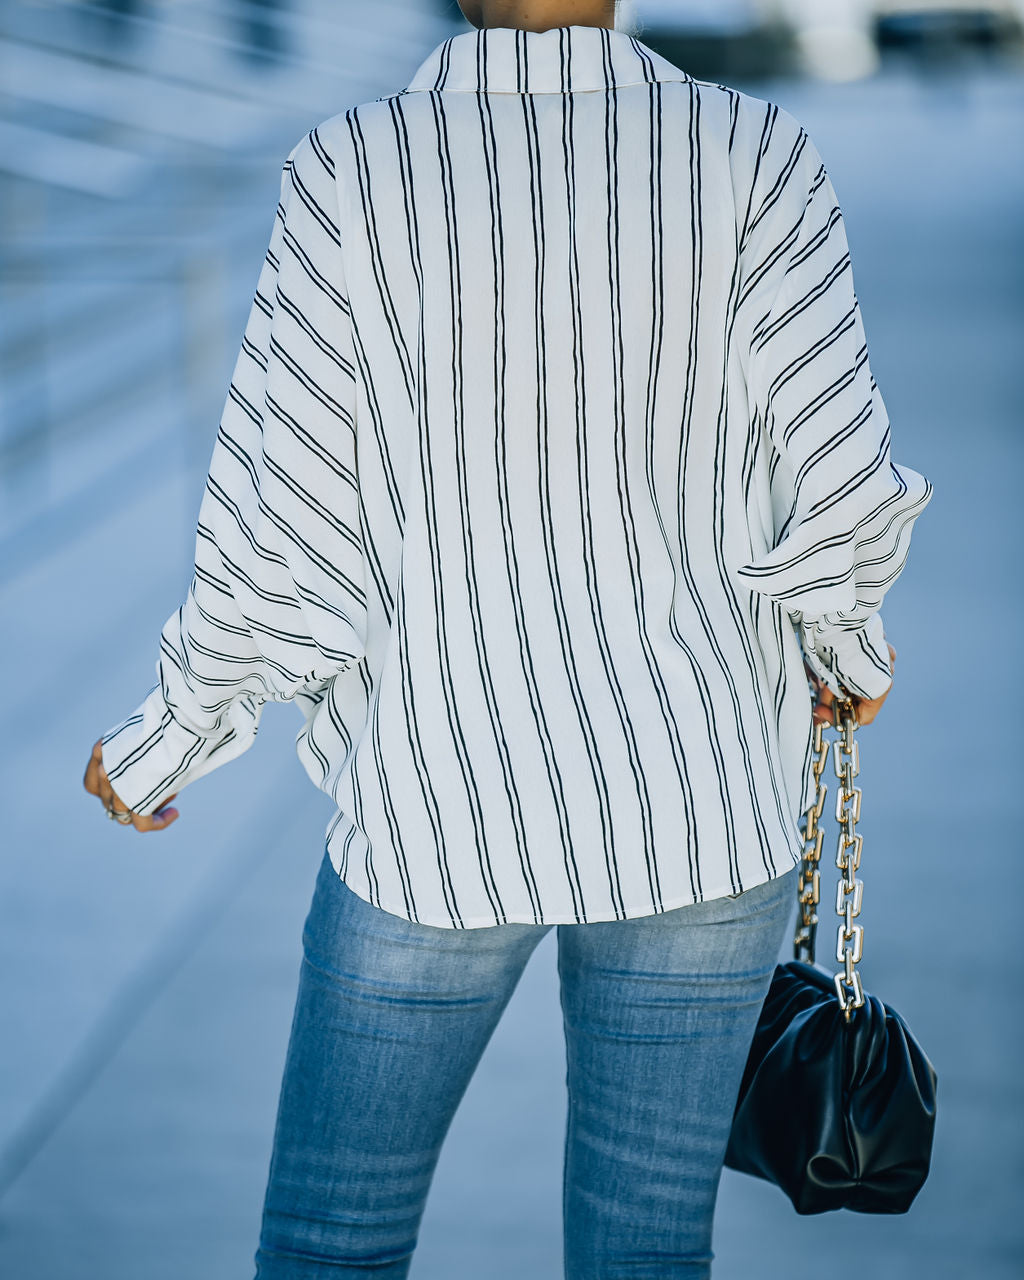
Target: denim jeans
392	1017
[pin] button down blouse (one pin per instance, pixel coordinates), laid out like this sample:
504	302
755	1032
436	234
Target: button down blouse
551	451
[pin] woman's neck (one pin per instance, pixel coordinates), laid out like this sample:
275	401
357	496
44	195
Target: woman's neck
539	15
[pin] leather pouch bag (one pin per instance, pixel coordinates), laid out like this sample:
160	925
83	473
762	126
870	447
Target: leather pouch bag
837	1101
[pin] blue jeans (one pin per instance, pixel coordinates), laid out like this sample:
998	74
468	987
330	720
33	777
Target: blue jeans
392	1017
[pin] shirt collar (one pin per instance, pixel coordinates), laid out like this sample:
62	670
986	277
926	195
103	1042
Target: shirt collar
560	60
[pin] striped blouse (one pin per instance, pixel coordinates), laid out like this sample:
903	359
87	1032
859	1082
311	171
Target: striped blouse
551	451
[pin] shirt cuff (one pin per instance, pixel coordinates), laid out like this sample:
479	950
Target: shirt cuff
150	755
851	659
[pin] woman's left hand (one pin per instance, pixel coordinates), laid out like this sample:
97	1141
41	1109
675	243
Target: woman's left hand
865	708
97	783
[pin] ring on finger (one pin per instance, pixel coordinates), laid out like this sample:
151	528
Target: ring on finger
119	815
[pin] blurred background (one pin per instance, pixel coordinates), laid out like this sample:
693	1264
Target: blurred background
147	983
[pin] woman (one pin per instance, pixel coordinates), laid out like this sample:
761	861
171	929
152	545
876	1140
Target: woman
551	467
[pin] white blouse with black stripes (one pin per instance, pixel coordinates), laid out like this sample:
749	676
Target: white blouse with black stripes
551	450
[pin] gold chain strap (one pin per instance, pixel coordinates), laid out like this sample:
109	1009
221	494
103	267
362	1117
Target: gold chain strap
809	876
850	891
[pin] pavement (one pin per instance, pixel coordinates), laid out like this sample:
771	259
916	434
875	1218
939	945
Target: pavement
148	982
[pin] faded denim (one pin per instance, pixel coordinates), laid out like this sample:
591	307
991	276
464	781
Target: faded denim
392	1017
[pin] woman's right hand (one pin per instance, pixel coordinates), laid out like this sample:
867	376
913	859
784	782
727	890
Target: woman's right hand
97	783
866	708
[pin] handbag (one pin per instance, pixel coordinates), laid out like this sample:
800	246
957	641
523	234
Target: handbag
837	1100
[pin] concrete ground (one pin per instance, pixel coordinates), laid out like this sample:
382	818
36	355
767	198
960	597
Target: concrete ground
148	982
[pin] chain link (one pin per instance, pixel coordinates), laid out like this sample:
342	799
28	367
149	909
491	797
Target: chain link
850	890
809	876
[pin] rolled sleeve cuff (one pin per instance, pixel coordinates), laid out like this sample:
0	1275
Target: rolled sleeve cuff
149	755
850	659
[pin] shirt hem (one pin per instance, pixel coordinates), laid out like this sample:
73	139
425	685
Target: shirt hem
631	913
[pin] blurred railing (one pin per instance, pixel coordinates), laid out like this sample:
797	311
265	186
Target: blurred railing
140	153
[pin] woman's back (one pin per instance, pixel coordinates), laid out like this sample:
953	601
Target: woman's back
555	294
570	420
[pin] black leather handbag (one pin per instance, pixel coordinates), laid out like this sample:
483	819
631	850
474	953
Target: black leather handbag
837	1101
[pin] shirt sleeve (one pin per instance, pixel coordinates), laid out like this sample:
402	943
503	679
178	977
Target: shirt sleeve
842	510
276	606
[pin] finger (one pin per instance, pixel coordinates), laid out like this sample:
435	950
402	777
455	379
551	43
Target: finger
94	770
822	710
160	820
106	793
97	775
91	779
112	801
868	708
